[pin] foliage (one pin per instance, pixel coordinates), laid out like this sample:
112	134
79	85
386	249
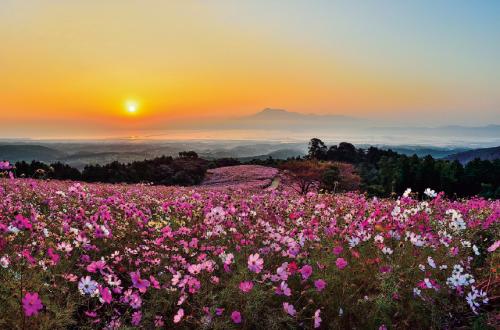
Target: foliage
385	172
185	170
306	173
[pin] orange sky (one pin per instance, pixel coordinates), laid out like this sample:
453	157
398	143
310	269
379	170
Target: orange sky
78	62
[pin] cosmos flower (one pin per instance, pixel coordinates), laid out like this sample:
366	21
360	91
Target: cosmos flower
236	317
87	286
306	271
105	294
138	283
341	263
136	318
494	246
178	317
32	304
283	289
431	193
317	318
337	250
246	286
289	309
255	263
320	284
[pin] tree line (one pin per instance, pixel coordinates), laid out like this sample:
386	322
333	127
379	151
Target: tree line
385	172
186	169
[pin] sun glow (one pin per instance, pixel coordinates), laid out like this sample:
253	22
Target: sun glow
131	107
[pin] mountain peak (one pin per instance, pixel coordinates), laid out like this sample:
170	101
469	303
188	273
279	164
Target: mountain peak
271	110
270	113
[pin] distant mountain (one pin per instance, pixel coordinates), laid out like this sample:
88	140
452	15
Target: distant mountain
483	154
279	119
281	114
28	152
284	124
424	151
278	154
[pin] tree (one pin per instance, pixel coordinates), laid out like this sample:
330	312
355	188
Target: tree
317	150
330	179
305	174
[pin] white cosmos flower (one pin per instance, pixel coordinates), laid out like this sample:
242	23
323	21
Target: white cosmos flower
431	262
431	193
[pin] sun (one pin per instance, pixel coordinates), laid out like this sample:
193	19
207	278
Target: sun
131	106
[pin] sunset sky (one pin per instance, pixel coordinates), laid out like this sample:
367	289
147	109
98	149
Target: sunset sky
91	67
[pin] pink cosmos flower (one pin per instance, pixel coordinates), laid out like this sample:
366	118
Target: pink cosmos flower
159	321
53	256
246	286
338	250
95	266
255	263
385	269
289	309
136	318
155	284
135	301
320	284
5	165
341	263
22	222
139	283
236	317
494	246
283	289
32	304
317	319
105	294
306	271
178	317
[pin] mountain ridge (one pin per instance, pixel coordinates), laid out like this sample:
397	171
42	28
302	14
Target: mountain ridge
482	153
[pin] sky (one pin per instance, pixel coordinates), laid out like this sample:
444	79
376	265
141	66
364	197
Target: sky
73	68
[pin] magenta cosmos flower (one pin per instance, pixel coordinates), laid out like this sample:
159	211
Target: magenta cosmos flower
32	304
306	271
320	284
106	295
246	286
337	250
236	317
139	283
341	263
255	263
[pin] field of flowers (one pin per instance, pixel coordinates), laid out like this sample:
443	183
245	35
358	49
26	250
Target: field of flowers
246	177
92	256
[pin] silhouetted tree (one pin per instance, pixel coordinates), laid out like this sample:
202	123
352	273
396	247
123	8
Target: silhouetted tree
317	150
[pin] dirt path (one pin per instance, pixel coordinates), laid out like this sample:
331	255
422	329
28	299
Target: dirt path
275	183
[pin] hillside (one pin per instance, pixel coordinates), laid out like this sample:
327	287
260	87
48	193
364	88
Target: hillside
248	177
28	152
483	154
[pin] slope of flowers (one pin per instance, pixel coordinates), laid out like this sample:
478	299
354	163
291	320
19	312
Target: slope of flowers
245	177
110	256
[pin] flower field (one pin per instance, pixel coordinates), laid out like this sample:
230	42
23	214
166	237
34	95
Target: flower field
246	177
92	256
